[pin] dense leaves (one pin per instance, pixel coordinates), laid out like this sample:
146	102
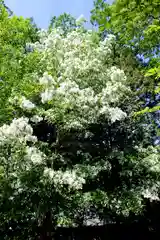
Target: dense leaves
15	33
136	23
70	148
64	21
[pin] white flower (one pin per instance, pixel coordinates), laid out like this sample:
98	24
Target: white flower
46	79
48	172
152	193
111	37
30	138
36	158
33	154
117	114
104	110
68	177
26	104
117	75
47	95
68	87
36	119
18	129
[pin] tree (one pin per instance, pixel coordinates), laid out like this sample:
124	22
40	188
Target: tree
72	148
64	21
135	23
15	33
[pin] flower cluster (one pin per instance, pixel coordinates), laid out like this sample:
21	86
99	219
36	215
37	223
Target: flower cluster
34	155
26	104
152	192
68	177
19	129
79	83
46	79
36	119
22	102
47	95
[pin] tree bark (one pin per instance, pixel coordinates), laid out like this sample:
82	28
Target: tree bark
47	229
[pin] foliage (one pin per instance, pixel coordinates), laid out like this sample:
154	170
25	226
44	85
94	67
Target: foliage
66	22
69	147
136	23
72	149
15	33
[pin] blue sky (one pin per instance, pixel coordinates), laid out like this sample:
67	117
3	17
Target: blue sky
43	10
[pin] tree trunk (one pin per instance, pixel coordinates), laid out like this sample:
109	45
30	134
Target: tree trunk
47	229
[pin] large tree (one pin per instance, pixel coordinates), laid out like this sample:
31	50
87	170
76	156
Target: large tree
72	148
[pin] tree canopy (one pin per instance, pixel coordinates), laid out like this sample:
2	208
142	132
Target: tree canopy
15	33
70	147
136	23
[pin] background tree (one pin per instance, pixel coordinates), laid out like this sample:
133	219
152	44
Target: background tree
65	21
136	25
15	33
